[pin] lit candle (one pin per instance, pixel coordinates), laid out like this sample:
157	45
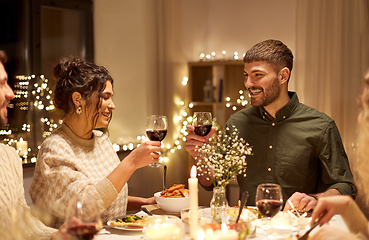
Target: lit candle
194	214
22	147
224	234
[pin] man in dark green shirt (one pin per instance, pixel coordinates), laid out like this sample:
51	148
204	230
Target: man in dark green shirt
294	145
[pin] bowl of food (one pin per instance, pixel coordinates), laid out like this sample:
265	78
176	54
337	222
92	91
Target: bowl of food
173	199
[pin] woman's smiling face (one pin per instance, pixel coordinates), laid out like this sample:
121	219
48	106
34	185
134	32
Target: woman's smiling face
106	107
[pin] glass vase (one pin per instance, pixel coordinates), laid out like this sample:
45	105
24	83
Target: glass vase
219	205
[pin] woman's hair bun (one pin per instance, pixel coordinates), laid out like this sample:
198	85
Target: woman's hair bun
67	67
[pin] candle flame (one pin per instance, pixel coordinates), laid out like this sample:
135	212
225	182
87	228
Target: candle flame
224	228
21	140
193	171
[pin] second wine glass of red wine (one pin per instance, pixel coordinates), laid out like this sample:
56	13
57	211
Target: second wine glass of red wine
269	200
202	121
156	130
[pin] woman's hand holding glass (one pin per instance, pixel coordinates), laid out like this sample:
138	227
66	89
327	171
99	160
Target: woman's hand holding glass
147	153
156	130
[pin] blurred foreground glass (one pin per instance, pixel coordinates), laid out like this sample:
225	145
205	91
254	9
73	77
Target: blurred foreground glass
156	130
163	227
83	217
281	225
185	218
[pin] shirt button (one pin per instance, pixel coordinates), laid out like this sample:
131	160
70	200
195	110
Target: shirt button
269	169
270	146
273	124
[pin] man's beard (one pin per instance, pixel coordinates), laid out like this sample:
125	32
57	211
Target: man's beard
270	94
3	118
3	121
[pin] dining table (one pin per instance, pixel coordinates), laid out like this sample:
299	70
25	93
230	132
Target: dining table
111	233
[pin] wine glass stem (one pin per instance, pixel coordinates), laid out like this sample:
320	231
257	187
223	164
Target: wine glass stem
269	229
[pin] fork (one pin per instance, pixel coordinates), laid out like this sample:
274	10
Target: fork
312	226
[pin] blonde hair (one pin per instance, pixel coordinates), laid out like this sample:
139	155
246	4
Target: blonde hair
361	164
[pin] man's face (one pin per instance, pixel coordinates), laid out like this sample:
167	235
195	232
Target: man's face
6	94
261	80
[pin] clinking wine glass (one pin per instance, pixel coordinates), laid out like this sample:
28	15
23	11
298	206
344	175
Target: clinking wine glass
269	201
83	219
156	130
202	121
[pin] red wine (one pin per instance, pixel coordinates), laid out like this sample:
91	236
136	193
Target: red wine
156	135
83	232
268	208
203	130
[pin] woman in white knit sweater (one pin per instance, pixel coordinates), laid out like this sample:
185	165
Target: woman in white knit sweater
344	205
76	158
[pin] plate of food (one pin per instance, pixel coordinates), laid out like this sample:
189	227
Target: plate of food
128	222
173	199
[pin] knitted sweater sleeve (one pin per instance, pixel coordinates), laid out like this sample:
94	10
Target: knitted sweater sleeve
57	180
16	219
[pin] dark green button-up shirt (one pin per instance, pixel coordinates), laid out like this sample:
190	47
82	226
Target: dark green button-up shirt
301	150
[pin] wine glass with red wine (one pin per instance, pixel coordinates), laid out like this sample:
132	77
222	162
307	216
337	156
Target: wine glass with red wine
83	219
156	130
202	121
269	201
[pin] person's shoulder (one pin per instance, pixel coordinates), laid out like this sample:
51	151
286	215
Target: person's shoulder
314	113
55	137
248	111
7	150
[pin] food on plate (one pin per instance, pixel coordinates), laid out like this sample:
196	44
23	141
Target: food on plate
130	220
175	191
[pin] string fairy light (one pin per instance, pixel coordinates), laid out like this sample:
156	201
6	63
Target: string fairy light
33	90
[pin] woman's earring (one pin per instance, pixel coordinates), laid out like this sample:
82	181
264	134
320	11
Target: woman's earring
79	110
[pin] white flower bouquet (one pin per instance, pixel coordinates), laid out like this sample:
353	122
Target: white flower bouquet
223	157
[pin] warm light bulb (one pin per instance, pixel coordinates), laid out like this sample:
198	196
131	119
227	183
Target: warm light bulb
185	80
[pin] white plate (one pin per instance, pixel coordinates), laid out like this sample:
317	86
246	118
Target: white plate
127	228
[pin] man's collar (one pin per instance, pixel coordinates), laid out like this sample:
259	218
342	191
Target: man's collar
284	112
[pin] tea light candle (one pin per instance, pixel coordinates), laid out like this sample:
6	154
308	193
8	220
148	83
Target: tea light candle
194	214
163	228
22	147
224	234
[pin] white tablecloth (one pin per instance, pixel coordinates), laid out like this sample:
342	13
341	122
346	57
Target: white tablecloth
115	234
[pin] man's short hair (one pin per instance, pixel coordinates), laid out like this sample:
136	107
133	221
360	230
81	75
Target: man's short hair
271	51
3	57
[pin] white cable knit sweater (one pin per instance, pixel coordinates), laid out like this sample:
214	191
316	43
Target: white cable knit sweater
16	221
67	164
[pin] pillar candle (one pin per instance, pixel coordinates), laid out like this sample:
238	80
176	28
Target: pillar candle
194	214
22	147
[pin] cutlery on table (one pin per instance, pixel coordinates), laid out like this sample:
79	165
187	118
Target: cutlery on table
165	176
306	235
146	211
245	196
